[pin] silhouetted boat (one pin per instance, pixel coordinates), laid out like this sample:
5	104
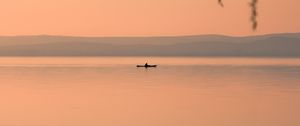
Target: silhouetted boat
146	66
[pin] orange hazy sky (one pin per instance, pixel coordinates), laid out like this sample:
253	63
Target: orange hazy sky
145	17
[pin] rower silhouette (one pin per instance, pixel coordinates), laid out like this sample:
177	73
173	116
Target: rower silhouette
146	65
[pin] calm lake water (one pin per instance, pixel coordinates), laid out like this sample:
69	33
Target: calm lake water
111	91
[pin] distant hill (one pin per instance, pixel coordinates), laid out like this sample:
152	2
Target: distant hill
273	45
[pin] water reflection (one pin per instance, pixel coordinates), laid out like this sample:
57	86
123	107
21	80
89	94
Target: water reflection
105	91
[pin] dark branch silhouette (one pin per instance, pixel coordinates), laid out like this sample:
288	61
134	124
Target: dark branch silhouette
254	14
221	3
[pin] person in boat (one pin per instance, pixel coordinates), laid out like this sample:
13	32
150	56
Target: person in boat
146	64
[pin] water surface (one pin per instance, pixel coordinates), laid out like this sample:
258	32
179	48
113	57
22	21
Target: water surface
111	91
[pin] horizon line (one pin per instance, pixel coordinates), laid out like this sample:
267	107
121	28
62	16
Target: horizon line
148	36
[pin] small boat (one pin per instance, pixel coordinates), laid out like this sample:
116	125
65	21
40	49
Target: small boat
146	66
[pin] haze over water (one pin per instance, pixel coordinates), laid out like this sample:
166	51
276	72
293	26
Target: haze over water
111	91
